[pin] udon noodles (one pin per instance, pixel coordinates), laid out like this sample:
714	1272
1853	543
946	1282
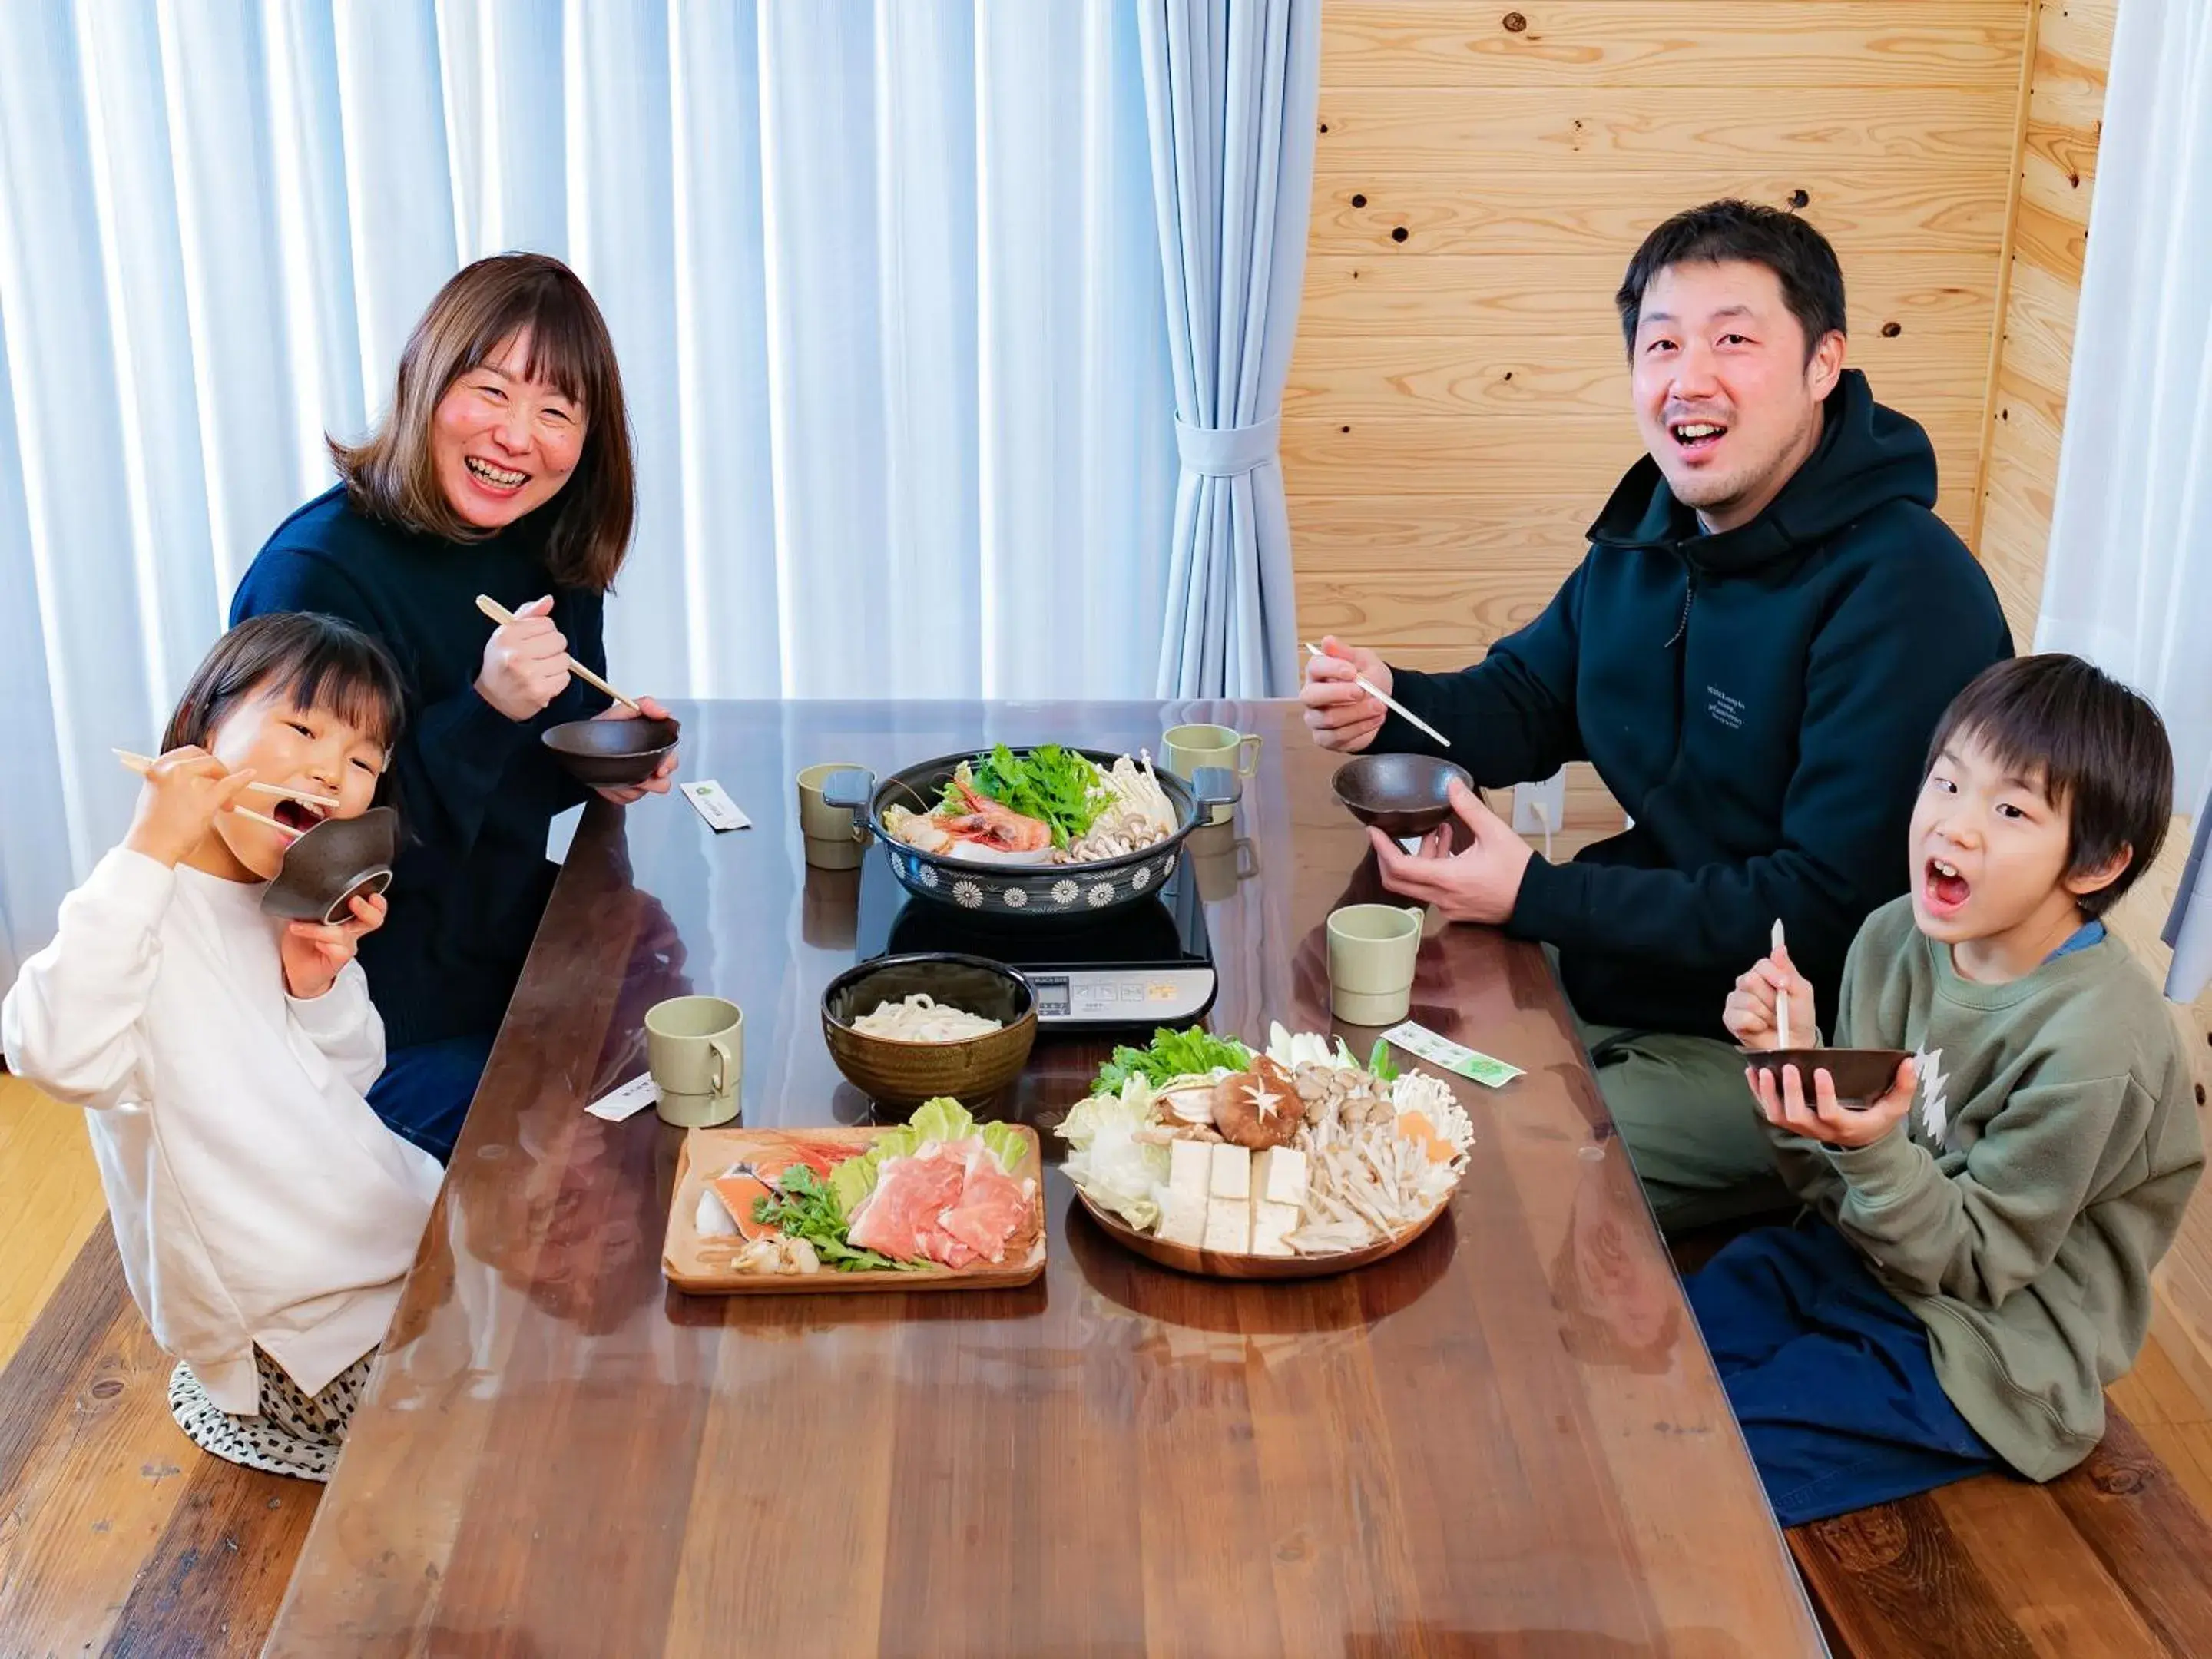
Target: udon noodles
922	1019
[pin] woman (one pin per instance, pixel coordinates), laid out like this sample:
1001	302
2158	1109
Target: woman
503	468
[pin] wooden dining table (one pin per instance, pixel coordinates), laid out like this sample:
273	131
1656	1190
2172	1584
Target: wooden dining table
1506	1439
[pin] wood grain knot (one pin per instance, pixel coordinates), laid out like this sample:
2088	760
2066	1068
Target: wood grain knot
1798	198
108	1388
1889	331
1359	201
1400	234
2122	1478
1514	22
1865	1542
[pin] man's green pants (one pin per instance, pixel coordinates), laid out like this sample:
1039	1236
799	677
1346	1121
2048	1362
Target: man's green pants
1688	1120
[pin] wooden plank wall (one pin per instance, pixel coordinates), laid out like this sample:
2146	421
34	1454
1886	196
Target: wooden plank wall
2072	44
1457	406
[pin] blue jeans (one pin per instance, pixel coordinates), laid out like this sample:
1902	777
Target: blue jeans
425	1093
1829	1376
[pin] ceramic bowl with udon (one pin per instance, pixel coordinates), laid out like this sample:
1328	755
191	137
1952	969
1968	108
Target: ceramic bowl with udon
900	1073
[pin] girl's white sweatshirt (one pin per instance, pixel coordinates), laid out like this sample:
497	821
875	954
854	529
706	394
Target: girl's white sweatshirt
256	1197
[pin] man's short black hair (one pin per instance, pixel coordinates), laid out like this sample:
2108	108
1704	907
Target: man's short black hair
2098	748
1798	255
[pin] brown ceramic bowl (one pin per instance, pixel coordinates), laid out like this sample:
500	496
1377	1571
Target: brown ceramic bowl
612	754
327	866
1862	1076
904	1074
1401	795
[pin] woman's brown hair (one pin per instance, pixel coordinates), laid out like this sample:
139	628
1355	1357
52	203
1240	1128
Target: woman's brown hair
390	475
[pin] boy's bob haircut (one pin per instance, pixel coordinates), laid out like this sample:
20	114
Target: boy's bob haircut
2099	750
319	662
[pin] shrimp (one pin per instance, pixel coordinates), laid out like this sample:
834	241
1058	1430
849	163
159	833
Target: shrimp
989	823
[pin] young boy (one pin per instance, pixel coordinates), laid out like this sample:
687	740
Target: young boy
1975	1262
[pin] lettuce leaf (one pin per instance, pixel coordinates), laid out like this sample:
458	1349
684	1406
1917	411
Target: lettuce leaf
1192	1052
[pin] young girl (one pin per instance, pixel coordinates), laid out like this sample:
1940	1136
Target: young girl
265	1216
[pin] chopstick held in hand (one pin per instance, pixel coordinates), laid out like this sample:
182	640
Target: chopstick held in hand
143	764
1391	703
501	615
1781	996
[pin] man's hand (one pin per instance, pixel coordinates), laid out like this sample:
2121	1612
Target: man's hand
184	790
314	954
1478	884
1824	1119
623	794
1340	715
524	662
1749	1011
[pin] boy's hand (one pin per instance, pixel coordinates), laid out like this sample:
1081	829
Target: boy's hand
184	789
1824	1119
1749	1013
314	954
1338	712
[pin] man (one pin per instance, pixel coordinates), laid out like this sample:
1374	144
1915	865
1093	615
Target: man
1768	623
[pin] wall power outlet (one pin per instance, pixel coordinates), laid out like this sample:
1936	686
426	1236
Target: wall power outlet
1551	793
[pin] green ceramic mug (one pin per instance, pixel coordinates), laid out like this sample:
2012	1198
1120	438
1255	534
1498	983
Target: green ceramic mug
1372	949
695	1049
1186	748
832	840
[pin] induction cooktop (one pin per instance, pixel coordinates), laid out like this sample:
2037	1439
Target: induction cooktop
1140	966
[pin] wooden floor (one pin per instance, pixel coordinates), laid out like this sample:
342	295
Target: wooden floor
125	1535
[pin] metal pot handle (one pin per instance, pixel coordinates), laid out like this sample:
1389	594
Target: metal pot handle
850	788
1215	786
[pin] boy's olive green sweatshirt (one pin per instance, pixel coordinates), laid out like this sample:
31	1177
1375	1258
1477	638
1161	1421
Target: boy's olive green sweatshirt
2052	1147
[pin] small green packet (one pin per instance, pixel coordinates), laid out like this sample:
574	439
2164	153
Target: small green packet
1419	1041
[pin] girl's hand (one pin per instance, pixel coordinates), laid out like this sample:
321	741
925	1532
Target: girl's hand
524	662
184	789
1824	1119
313	955
623	795
1749	1011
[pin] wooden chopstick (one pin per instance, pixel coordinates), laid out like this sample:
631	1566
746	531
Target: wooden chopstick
1388	701
142	765
1780	999
499	614
263	817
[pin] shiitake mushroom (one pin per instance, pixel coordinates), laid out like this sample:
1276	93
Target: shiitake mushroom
1258	1107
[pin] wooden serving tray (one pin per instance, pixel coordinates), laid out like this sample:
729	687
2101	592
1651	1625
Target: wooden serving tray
704	1266
1218	1264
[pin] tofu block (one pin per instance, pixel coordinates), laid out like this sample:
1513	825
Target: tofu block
1272	1226
1278	1176
1190	1166
1183	1217
1229	1225
1232	1172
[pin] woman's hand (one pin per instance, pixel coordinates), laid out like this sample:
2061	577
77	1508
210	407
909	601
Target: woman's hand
1749	1013
313	955
526	662
1340	715
623	795
184	790
1826	1120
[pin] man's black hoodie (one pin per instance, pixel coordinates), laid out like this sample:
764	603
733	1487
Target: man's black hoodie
1760	702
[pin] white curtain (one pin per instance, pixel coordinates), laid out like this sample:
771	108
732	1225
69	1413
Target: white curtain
1234	87
883	278
2129	580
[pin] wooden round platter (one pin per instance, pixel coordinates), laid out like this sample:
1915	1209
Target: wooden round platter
1216	1264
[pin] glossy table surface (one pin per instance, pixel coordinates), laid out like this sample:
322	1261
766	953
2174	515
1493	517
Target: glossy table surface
1506	1439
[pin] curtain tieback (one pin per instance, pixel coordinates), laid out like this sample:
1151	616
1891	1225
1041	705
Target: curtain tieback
1227	451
